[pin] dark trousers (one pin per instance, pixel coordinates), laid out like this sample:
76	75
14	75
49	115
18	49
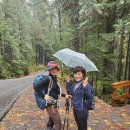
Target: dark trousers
81	119
54	118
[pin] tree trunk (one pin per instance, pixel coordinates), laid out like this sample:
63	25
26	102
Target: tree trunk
127	59
73	6
120	65
0	44
59	17
110	21
75	24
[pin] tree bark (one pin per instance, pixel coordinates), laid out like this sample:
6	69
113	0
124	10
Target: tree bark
75	24
127	59
59	17
110	21
120	65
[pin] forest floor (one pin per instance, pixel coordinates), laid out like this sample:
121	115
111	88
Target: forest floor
24	115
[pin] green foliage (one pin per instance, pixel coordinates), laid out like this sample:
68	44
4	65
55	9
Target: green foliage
15	43
99	89
88	12
4	69
120	91
4	73
20	73
34	68
98	25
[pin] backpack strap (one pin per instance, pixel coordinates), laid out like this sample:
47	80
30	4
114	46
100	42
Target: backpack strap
60	89
50	85
58	102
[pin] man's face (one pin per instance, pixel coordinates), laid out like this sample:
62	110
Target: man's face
54	71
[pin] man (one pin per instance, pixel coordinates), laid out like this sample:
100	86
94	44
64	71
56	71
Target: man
51	96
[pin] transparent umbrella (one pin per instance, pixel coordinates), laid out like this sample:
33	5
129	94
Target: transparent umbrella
72	59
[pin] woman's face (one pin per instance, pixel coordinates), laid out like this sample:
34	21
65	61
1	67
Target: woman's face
78	76
54	71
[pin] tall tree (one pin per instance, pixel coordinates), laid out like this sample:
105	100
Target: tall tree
73	6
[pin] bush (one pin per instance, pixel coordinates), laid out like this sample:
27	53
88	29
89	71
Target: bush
34	68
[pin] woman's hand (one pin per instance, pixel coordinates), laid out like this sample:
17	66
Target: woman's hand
67	79
85	82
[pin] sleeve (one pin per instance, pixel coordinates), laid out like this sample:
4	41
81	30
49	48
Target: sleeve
69	88
88	91
41	88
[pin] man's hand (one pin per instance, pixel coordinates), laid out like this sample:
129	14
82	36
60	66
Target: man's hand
68	96
85	82
47	98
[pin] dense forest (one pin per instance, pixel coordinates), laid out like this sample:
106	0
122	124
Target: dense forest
31	31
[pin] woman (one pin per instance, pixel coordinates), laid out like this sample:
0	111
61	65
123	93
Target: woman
79	91
53	95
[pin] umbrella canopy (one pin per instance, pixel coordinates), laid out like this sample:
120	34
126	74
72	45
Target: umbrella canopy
72	59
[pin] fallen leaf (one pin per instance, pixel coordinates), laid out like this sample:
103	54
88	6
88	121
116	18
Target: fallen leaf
89	128
124	115
127	123
107	122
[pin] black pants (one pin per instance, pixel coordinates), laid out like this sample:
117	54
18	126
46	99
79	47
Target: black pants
54	118
81	119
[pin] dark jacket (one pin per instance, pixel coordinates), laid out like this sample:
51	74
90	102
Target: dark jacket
55	91
79	94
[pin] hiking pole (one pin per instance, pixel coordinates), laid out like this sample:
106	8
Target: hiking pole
66	118
67	109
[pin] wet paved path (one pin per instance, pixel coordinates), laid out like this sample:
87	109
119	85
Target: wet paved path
10	90
24	115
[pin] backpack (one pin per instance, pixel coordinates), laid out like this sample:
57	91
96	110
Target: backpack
40	101
89	101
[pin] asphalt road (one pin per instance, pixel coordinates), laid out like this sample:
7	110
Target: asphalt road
10	90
